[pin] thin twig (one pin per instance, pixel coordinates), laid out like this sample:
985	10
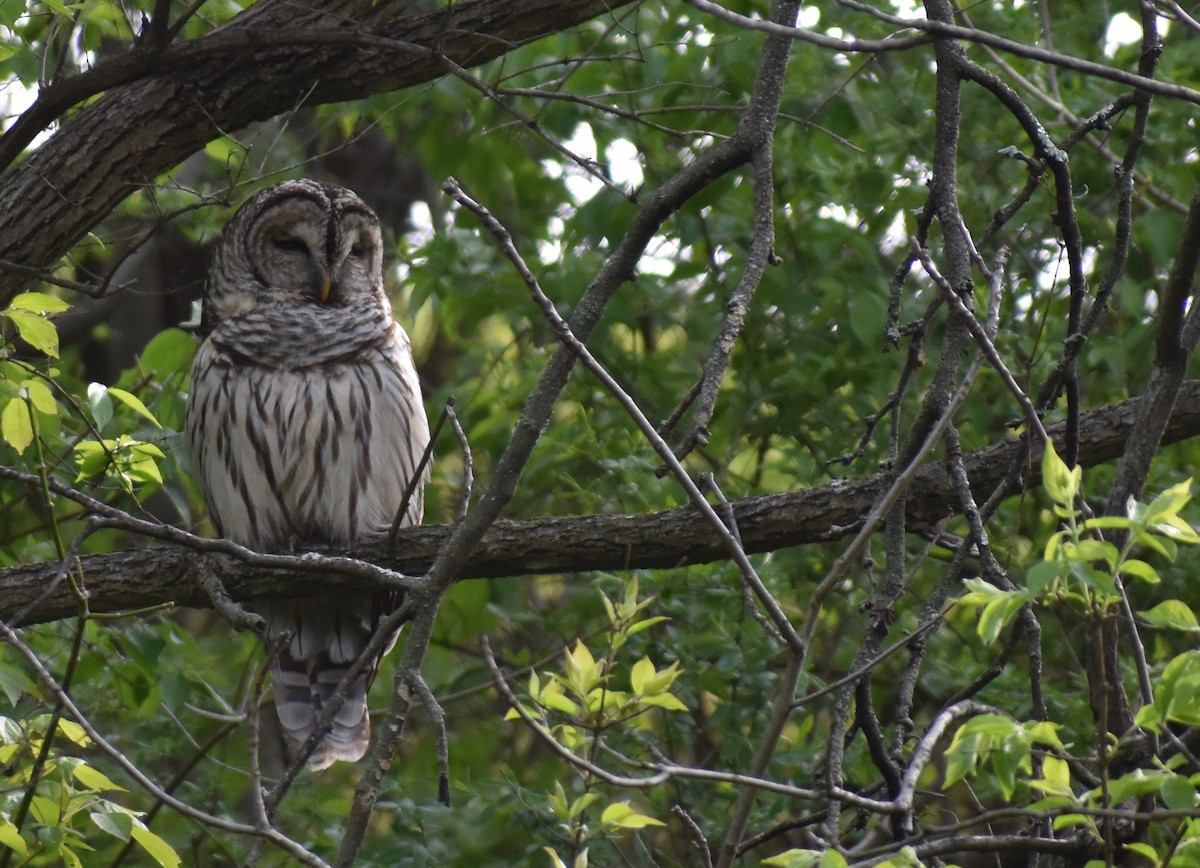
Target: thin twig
272	836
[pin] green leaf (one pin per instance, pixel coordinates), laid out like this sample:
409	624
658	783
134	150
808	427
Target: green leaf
1093	550
582	672
94	780
159	850
16	425
640	675
38	302
135	403
14	683
1041	577
1070	821
1171	615
666	701
41	397
1149	718
623	816
1178	793
1145	851
996	614
1166	506
92	457
806	859
582	804
645	624
1061	482
1055	779
558	800
68	856
1139	782
169	351
74	732
980	594
115	823
1141	570
553	698
35	330
11	838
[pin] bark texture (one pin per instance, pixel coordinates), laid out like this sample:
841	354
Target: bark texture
158	104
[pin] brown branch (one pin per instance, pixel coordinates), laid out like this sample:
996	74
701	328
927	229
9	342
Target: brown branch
667	538
157	106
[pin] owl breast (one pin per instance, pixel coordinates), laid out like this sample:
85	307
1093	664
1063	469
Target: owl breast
290	452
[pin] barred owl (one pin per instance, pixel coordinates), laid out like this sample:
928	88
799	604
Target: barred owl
306	425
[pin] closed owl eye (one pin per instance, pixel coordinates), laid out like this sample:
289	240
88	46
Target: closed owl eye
357	250
291	245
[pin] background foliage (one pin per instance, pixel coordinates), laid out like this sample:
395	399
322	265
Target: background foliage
564	140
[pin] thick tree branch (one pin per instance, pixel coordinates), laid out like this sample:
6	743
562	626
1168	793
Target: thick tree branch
668	538
158	106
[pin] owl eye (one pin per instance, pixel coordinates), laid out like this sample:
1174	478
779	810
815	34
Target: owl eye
291	245
357	251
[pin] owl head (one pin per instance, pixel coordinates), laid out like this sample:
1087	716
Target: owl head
300	242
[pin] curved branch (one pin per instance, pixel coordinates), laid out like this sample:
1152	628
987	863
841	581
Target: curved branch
666	538
159	106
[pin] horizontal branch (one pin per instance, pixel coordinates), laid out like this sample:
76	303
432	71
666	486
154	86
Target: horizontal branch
667	538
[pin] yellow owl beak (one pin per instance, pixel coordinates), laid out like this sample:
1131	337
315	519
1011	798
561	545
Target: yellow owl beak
326	285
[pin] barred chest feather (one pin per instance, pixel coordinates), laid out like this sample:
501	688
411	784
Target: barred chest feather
302	443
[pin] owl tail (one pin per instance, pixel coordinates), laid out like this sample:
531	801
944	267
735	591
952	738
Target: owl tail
303	688
326	638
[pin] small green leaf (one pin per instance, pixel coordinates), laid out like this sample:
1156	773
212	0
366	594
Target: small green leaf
1041	577
794	859
623	816
1167	505
114	823
1141	570
1149	718
641	673
41	397
582	804
1061	482
558	801
14	683
553	698
38	302
68	856
16	426
1178	793
94	780
582	672
1070	821
1055	779
11	838
997	613
1171	615
134	402
645	624
74	732
1145	851
833	859
35	330
169	351
159	850
1094	550
667	701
